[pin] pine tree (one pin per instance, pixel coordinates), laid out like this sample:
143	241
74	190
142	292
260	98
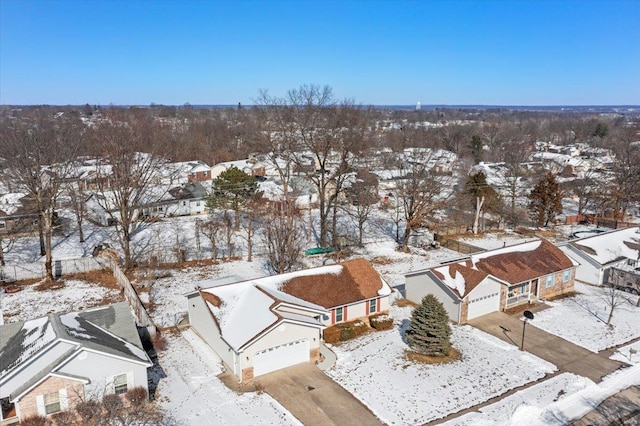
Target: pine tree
233	189
429	332
545	200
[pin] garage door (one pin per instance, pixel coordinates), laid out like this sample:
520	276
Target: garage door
483	305
282	356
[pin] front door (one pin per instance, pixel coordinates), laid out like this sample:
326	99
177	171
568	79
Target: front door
534	287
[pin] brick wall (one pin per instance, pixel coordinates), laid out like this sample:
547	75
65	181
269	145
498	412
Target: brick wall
559	286
28	405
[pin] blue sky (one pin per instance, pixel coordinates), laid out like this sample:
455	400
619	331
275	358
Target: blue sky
375	52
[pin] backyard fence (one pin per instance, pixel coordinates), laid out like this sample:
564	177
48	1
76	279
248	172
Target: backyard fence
130	294
459	246
36	270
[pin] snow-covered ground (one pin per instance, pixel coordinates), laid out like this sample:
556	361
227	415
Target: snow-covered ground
374	369
495	240
582	319
513	409
192	395
75	295
628	353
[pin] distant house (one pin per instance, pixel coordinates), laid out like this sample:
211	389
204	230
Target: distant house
495	280
200	172
596	254
49	364
18	214
266	324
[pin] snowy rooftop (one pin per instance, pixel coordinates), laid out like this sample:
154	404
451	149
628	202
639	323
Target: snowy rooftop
611	246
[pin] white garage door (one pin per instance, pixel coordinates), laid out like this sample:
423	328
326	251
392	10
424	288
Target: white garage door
282	356
483	305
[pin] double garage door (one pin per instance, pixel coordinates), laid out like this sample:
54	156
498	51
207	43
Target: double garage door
282	356
483	305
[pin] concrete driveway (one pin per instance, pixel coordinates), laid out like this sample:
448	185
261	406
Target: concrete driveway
315	399
567	356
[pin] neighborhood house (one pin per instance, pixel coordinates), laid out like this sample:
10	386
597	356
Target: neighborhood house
495	280
50	364
266	324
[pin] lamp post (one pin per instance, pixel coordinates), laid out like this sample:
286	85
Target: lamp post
528	315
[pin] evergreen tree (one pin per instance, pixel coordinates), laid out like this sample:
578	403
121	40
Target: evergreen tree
545	200
429	332
476	148
233	189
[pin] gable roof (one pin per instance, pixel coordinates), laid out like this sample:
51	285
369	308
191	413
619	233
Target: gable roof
610	246
357	280
311	290
108	329
512	265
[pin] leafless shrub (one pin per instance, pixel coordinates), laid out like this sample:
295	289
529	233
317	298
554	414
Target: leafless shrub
35	421
137	396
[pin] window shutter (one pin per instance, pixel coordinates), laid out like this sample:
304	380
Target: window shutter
130	380
109	388
40	405
64	401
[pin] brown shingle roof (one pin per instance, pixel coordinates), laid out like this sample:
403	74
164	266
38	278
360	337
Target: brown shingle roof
357	281
518	266
471	276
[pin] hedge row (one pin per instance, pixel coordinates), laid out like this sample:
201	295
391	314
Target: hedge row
345	331
381	322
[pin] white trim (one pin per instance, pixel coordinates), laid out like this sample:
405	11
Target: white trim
45	377
40	405
64	400
271	328
82	348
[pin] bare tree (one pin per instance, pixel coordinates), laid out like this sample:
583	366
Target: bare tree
613	297
228	231
327	135
421	192
6	243
362	195
212	230
77	198
284	238
127	173
37	155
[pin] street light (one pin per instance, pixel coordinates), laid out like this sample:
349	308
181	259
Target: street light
528	315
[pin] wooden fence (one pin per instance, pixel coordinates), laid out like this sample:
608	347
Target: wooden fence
604	222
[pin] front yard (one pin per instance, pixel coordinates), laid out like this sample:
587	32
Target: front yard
375	370
581	319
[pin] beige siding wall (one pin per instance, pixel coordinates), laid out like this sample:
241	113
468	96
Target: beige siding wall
419	285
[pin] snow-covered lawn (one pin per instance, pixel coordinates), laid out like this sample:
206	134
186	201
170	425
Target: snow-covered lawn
191	393
581	319
514	409
374	369
628	353
490	241
76	295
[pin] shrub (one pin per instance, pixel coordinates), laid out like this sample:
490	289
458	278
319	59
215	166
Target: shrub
381	322
332	335
359	328
112	404
137	396
35	421
346	333
89	410
159	342
64	418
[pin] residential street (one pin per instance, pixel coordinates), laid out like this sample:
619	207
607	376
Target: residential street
567	356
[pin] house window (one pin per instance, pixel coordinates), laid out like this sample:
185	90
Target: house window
566	276
198	203
373	306
550	281
2	224
339	314
52	402
120	384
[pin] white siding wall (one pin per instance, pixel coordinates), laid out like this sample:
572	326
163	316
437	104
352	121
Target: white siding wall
589	270
35	366
419	285
202	322
283	333
100	368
